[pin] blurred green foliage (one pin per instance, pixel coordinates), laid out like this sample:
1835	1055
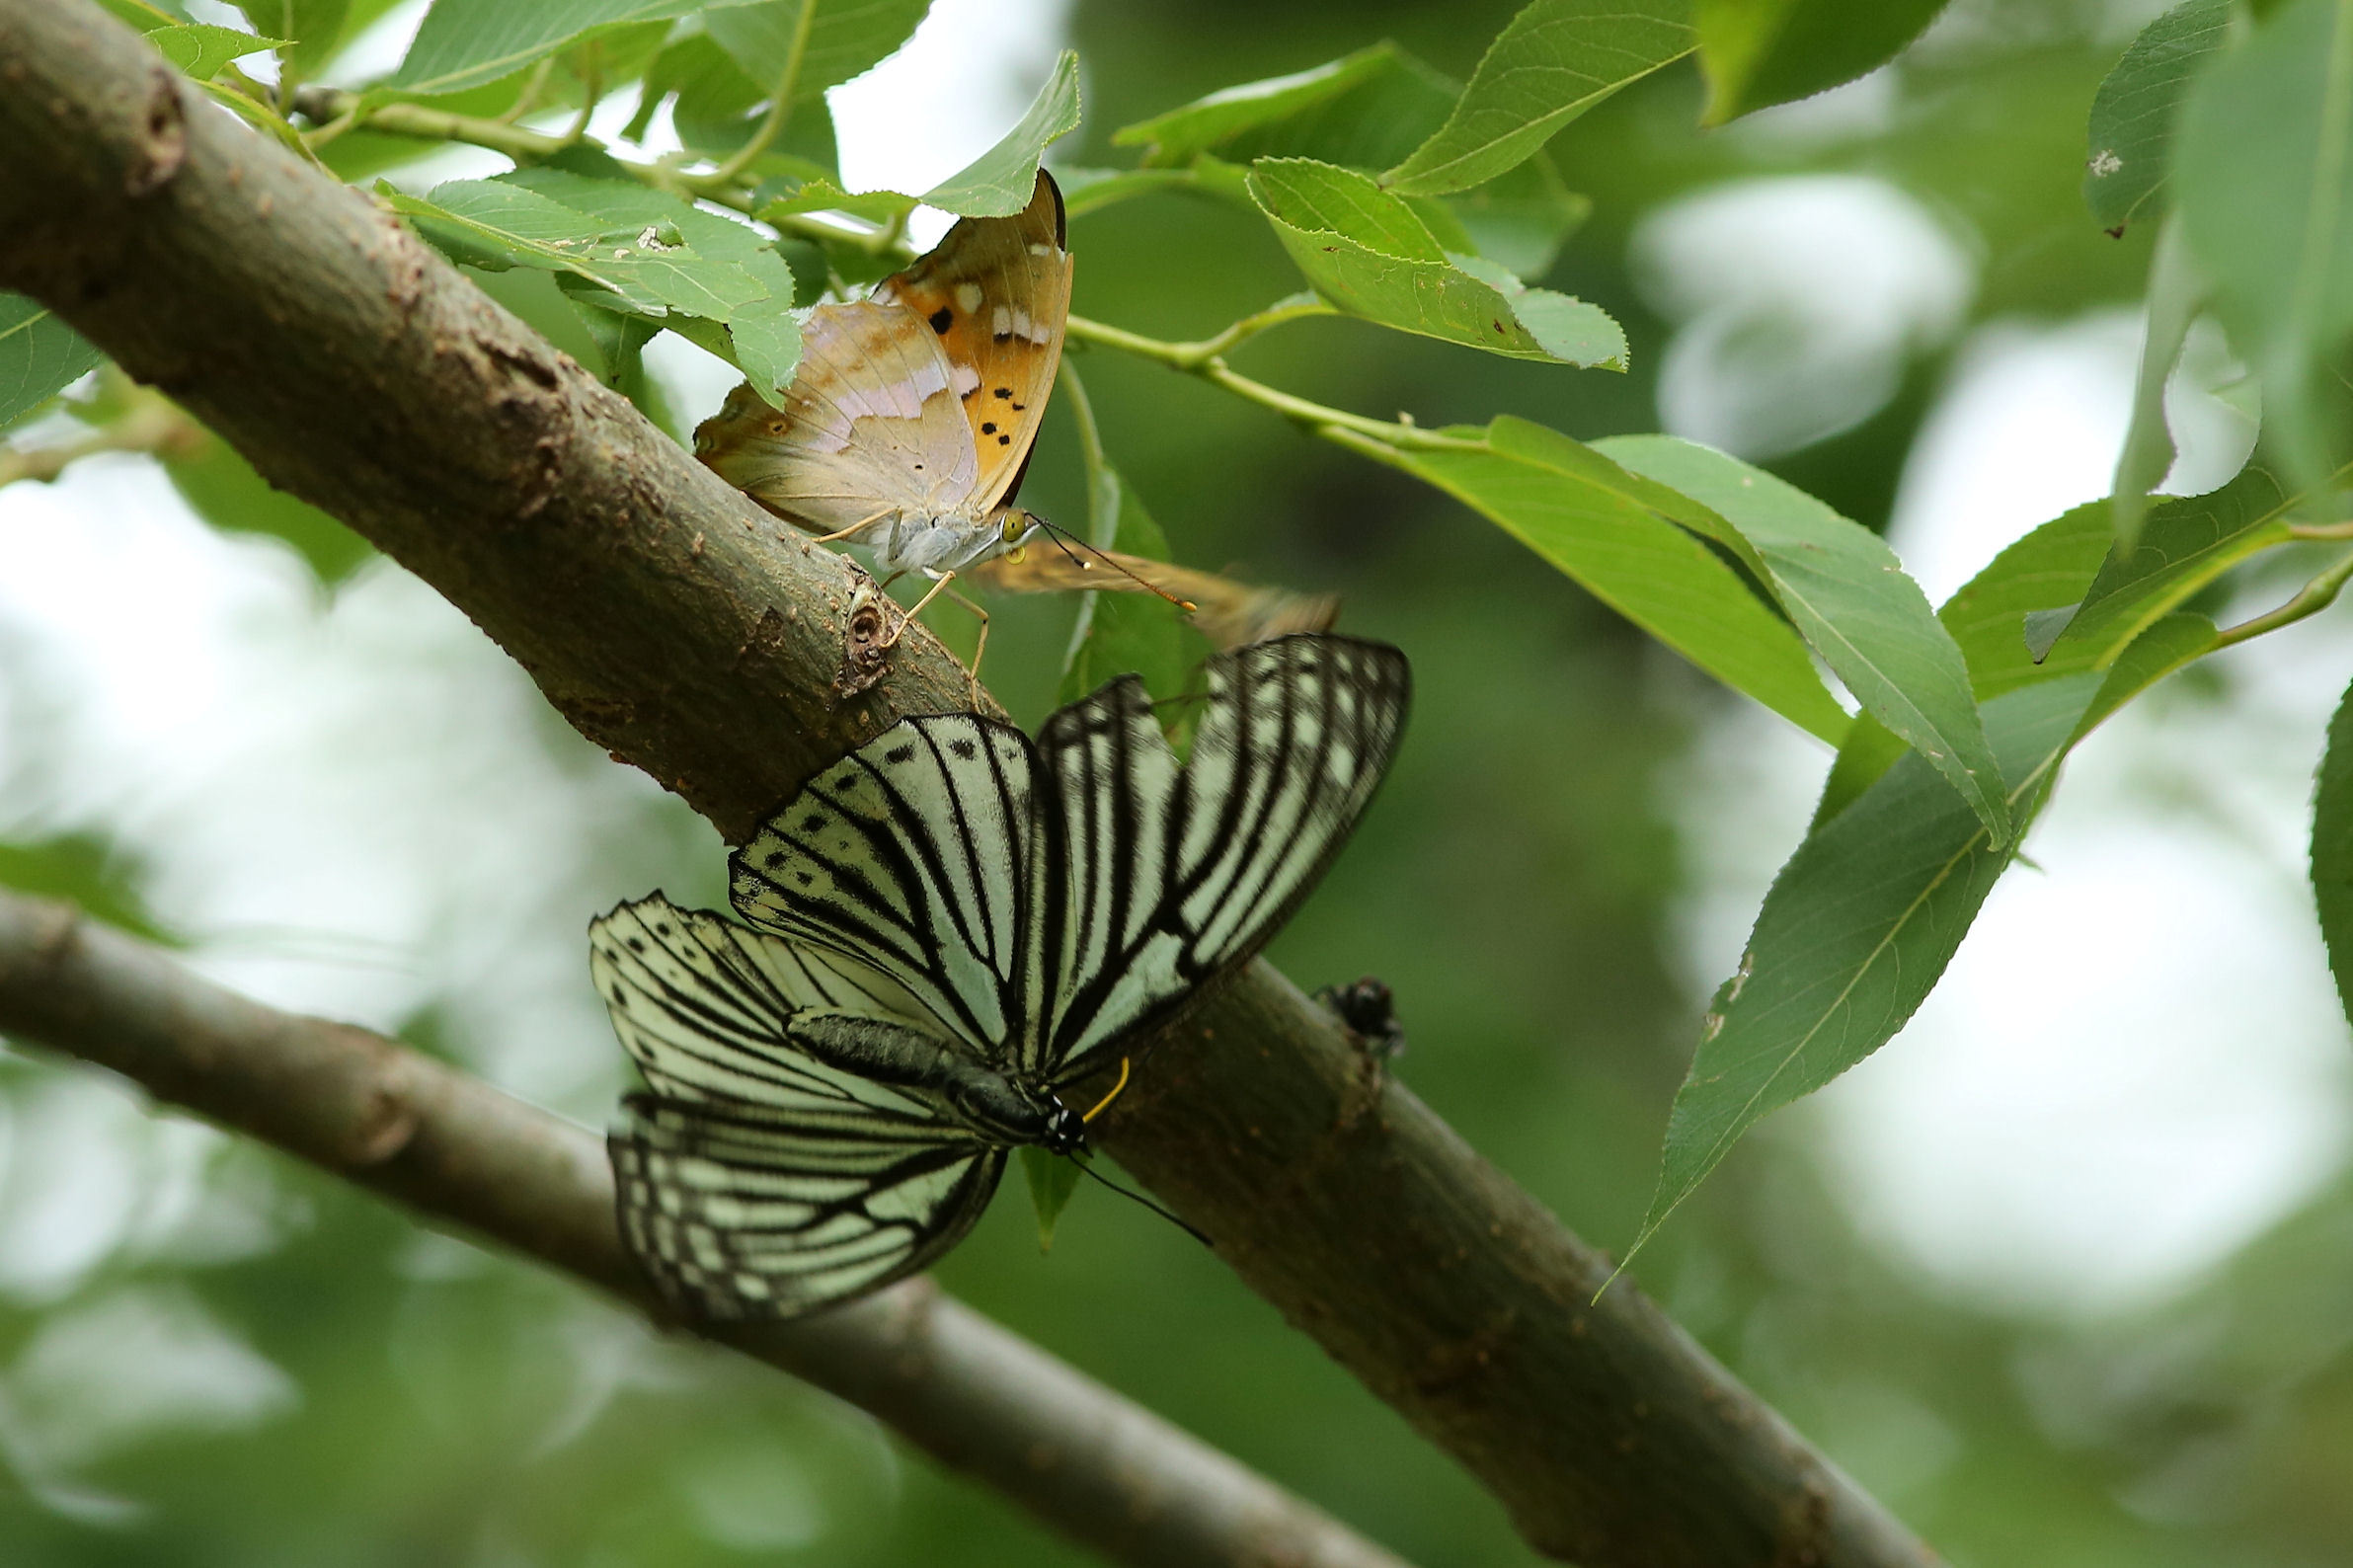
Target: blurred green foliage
455	1408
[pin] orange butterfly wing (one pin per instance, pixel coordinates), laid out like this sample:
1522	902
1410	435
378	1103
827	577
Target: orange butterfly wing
997	292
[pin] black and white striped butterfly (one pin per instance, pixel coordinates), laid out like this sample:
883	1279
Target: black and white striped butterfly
951	926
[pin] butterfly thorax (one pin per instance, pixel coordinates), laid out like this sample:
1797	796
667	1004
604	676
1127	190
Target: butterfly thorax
997	1107
937	543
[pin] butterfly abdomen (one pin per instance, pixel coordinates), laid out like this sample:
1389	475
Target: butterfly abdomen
885	1052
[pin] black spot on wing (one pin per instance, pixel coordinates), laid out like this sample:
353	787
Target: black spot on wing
942	318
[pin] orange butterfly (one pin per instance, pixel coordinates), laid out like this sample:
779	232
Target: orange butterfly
912	417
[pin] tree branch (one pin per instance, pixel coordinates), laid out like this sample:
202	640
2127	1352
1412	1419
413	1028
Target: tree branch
370	1109
670	622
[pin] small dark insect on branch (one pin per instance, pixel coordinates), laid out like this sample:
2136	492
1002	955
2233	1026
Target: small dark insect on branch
1368	1010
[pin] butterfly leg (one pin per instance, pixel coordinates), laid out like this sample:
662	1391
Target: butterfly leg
972	672
859	526
930	594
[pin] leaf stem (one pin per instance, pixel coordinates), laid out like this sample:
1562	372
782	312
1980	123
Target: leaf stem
152	424
1298	307
591	88
780	108
1102	487
1202	359
528	99
2311	600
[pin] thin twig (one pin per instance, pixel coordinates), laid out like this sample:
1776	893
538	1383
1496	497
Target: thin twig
780	105
2311	600
151	425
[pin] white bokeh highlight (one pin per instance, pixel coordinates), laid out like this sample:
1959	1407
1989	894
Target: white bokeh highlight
1799	302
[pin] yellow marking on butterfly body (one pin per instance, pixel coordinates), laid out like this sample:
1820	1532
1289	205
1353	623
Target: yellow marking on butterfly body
1103	1104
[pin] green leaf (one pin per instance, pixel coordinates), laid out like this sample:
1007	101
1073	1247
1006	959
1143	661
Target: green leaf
313	29
760	338
1207	123
1569	329
1087	191
146	13
2055	563
1391	105
84	872
2333	849
1368	252
1519	219
1119	633
1053	1179
714	100
789	196
1364	112
1556	59
846	39
1863	920
1596	522
2264	178
2052	565
2186	544
465	43
2177	292
1857	930
2138	108
2182	638
716	280
200	50
1850	597
619	340
998	183
1758	52
39	356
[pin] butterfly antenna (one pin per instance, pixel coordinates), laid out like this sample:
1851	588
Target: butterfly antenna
1138	1198
1064	539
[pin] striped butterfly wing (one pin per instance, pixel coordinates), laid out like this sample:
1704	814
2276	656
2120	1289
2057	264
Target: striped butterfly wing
919	854
1179	874
752	1180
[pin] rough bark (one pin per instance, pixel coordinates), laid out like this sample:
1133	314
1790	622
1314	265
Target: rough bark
671	623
